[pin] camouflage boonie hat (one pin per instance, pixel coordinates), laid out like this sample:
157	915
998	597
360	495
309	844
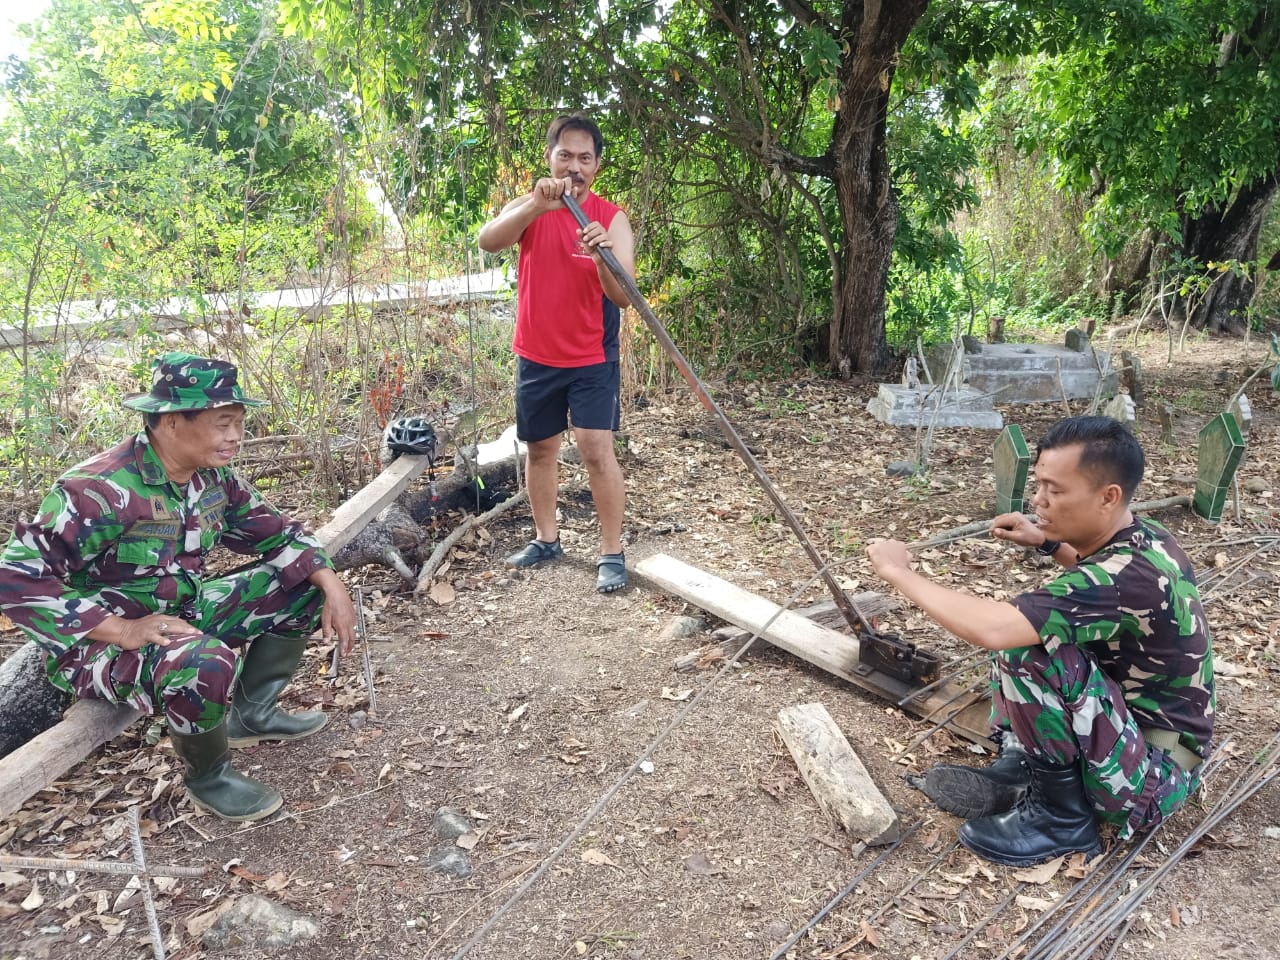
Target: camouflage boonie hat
182	381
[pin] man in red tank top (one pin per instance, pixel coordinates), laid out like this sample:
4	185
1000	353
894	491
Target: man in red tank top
566	339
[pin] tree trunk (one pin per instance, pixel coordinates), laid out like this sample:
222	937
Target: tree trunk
1219	235
400	534
31	704
872	33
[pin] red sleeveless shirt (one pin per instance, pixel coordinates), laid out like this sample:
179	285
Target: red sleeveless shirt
563	318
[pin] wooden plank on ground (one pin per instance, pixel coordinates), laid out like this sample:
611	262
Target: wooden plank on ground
352	517
834	652
43	759
835	774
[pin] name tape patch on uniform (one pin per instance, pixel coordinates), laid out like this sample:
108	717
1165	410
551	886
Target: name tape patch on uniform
153	530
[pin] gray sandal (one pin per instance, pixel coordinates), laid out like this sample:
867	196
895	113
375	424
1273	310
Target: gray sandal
536	552
611	573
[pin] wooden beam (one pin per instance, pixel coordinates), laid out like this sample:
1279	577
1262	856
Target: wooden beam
350	518
835	774
834	652
43	759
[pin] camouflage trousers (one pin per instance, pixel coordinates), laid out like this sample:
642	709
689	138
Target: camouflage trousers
191	680
1065	709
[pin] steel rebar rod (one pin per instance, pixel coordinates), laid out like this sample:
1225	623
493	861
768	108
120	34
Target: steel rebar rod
364	650
847	607
1085	941
97	866
911	883
986	921
144	881
962	665
973	693
1104	873
606	798
839	897
893	899
1094	876
1060	938
1115	946
980	527
1247	785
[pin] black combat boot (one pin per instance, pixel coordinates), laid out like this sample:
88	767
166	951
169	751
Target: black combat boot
971	792
1052	818
214	785
254	715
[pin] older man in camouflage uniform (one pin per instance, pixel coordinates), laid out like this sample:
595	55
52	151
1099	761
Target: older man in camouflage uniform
109	579
1103	688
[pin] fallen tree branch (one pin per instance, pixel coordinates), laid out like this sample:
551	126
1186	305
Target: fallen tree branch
448	543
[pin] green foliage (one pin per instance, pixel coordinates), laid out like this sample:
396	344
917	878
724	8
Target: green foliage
176	149
1129	113
206	148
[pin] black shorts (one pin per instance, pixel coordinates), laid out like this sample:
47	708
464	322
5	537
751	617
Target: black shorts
546	398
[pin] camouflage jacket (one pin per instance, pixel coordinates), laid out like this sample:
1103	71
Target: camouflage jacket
115	536
1135	606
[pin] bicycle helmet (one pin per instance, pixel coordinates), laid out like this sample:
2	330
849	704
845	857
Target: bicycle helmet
413	435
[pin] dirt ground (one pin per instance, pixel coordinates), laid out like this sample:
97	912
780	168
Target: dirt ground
523	699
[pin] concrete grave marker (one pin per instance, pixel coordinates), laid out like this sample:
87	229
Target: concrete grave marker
1033	373
1165	411
1243	413
1120	407
902	406
1077	340
1012	461
911	373
1221	447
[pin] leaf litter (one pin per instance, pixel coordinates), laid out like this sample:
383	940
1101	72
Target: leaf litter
718	794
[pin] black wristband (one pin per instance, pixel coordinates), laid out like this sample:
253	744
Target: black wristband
1049	548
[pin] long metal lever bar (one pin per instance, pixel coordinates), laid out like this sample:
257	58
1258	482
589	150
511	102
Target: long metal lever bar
847	607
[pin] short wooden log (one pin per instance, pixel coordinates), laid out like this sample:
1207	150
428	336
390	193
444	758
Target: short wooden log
838	780
40	761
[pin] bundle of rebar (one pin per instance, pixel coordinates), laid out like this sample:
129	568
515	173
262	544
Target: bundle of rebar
1095	915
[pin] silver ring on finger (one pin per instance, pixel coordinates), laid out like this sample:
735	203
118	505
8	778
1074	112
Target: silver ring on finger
164	628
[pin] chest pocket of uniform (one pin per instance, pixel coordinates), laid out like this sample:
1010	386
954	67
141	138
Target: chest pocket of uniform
149	543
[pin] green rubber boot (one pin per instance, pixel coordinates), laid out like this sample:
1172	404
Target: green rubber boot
214	785
254	715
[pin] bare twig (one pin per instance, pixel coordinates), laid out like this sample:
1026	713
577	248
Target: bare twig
448	543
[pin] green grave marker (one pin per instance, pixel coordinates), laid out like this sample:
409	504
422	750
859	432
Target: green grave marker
1221	447
1012	461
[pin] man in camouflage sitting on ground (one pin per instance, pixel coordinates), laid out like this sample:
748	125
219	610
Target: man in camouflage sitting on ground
109	580
1103	690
